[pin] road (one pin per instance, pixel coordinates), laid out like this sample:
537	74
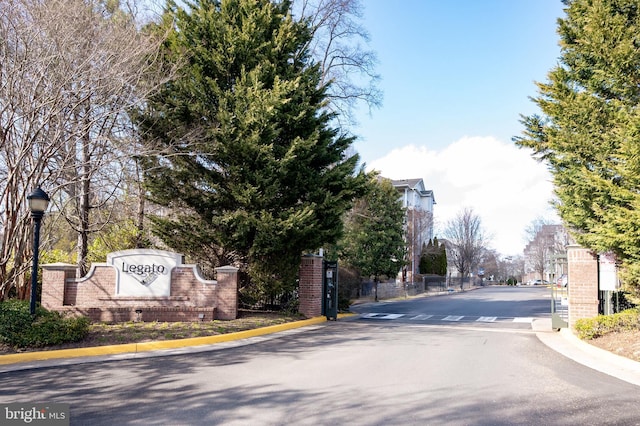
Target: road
363	371
488	306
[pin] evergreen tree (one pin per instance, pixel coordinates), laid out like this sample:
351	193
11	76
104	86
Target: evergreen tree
440	262
250	170
425	260
433	259
374	235
588	133
428	258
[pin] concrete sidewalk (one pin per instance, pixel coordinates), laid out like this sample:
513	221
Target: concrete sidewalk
568	344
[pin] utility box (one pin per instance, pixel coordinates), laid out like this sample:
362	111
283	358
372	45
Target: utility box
330	290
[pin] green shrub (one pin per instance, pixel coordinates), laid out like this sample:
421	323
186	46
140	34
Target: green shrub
14	320
19	329
592	328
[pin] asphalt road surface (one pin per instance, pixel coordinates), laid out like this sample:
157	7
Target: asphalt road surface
513	307
390	369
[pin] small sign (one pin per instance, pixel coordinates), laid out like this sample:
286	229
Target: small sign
143	272
607	272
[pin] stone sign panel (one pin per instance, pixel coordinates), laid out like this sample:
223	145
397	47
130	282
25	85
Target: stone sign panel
143	272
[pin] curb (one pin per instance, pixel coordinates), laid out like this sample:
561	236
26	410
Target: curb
134	348
570	346
604	361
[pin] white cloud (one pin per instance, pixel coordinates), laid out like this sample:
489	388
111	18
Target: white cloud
499	181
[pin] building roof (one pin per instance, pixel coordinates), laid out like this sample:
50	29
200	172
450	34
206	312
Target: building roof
411	183
416	184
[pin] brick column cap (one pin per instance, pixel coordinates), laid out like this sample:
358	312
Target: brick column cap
578	247
227	269
59	266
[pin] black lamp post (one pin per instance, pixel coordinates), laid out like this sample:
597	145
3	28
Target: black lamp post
38	203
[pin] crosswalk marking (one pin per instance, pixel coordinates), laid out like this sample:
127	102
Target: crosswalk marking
383	316
421	317
452	318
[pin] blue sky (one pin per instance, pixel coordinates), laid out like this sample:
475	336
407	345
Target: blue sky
456	75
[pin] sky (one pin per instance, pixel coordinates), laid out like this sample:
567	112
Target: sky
456	77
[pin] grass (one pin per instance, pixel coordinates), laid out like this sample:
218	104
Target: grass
101	334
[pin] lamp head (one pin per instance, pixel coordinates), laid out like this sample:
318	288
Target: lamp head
38	201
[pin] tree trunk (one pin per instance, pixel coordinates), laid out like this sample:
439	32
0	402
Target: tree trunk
375	289
83	210
141	207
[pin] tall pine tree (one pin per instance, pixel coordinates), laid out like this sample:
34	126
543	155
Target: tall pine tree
590	127
442	258
250	170
425	265
374	240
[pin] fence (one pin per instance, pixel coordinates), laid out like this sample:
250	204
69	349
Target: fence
612	302
285	301
428	284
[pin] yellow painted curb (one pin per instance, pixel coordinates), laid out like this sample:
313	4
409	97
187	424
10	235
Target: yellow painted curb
67	353
152	346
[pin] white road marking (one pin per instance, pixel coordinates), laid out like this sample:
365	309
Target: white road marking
452	318
487	319
381	315
421	317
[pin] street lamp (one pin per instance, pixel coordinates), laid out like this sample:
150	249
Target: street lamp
38	203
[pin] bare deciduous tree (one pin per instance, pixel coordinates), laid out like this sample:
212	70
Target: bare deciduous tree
339	45
30	128
70	70
546	242
467	241
111	62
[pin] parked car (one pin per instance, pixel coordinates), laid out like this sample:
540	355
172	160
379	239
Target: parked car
563	281
540	282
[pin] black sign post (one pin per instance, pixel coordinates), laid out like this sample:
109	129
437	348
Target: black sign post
330	290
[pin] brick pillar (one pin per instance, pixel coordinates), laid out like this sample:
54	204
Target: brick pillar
310	291
54	276
583	283
227	293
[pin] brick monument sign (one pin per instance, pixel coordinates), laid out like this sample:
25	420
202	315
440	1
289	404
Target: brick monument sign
141	285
